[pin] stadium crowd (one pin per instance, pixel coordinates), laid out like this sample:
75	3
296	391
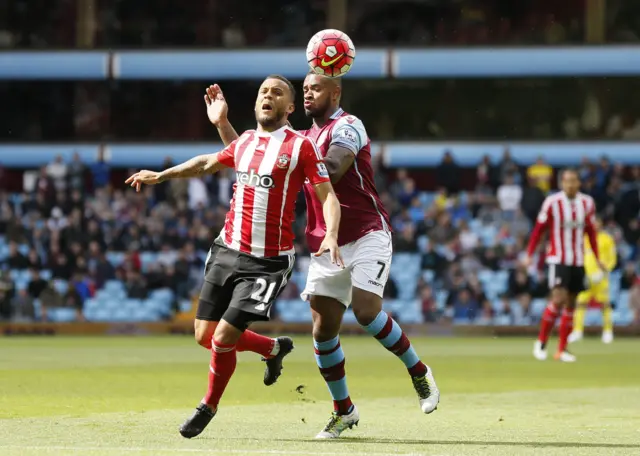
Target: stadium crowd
68	223
224	23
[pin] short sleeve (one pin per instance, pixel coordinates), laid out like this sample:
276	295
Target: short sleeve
312	163
545	212
227	156
349	132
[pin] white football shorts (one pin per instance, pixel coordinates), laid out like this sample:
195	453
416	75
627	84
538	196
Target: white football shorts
367	262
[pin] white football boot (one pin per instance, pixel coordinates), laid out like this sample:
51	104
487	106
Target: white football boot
607	337
575	336
565	357
539	351
427	390
338	423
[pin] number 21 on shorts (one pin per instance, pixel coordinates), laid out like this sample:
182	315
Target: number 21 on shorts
264	292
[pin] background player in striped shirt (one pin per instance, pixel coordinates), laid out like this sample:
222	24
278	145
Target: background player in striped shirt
365	240
567	216
251	260
598	290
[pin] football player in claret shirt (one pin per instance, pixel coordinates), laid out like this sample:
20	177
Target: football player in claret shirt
251	260
365	240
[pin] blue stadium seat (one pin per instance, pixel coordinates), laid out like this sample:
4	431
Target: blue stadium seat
61	286
428	275
115	258
147	258
61	314
162	294
537	307
441	298
46	274
185	305
113	285
423	242
23	249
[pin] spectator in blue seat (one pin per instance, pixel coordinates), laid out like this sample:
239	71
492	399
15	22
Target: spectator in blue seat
433	261
34	259
490	259
6	295
22	308
101	172
50	298
458	211
444	231
448	173
36	284
390	290
428	304
532	199
465	306
540	286
135	285
406	240
16	260
76	173
60	267
519	288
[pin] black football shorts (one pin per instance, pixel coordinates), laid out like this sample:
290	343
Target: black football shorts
240	286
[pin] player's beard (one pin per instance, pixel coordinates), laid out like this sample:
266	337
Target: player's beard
270	120
318	112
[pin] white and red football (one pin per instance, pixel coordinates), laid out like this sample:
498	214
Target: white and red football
331	53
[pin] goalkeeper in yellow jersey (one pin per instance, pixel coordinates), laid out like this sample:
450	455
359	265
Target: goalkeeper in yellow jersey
598	289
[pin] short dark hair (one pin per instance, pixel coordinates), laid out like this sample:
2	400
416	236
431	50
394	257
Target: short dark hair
571	170
292	89
336	80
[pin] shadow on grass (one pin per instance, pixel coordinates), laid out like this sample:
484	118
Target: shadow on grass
377	441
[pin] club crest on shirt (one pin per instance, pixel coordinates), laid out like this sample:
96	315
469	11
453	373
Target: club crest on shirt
283	161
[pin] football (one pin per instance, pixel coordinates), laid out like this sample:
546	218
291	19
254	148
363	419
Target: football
331	53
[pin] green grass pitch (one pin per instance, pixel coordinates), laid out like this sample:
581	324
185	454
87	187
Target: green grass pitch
127	396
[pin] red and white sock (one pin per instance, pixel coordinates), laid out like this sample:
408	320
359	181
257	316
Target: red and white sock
223	364
547	323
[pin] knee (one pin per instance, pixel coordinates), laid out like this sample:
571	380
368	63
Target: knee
326	320
366	308
203	332
324	330
226	334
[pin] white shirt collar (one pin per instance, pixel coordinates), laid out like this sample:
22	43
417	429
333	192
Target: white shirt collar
337	114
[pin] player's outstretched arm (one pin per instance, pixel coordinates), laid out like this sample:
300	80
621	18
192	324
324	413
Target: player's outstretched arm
331	212
217	109
196	167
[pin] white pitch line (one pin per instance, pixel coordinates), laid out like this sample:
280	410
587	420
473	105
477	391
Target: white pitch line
196	450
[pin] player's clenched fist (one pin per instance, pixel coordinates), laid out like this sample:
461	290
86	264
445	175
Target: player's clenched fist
143	177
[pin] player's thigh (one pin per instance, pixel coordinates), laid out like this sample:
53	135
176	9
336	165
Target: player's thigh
577	281
601	292
584	297
370	270
259	281
216	290
327	316
329	280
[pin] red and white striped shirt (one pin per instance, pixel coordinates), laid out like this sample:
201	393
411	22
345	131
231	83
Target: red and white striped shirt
567	220
271	169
